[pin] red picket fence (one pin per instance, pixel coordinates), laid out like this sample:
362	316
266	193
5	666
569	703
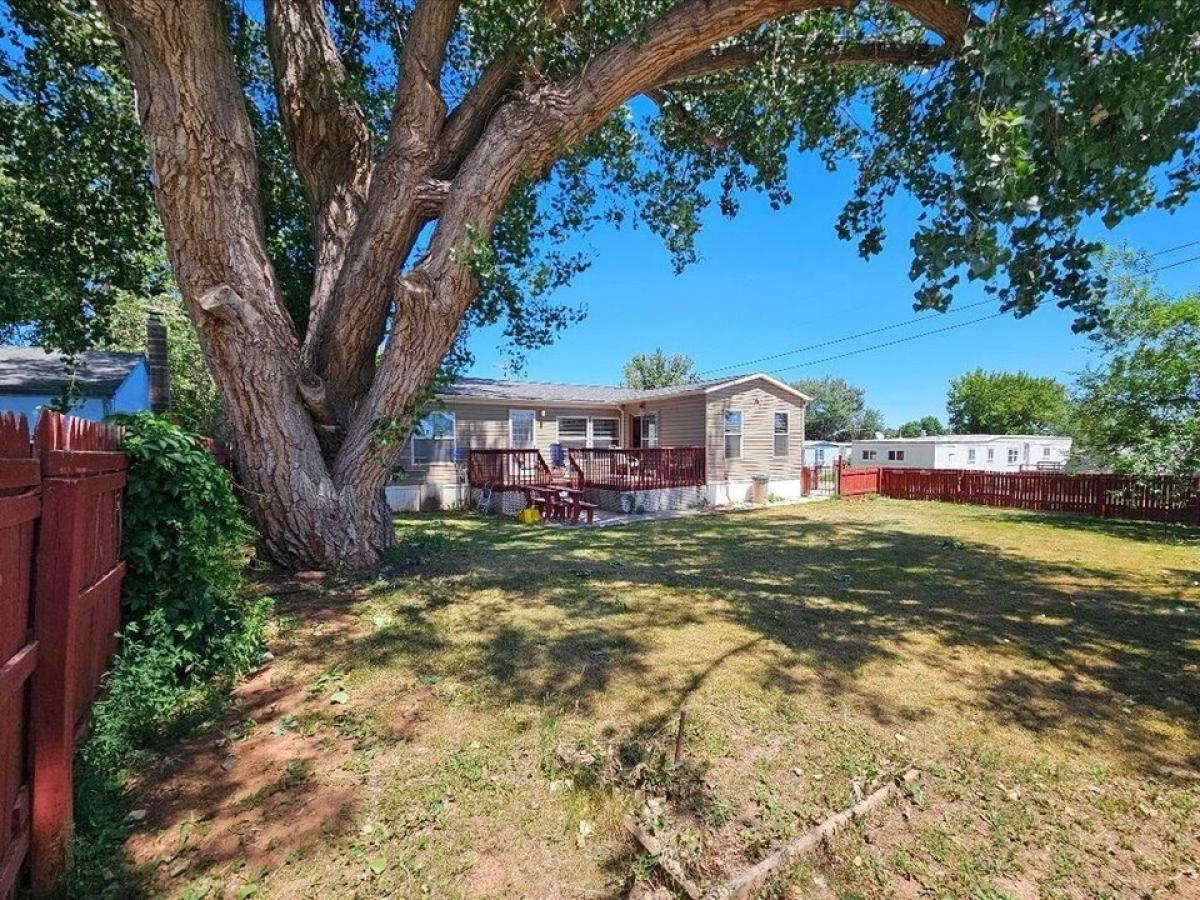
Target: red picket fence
60	590
1162	498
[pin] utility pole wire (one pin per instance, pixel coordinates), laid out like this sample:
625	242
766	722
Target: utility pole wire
911	337
840	340
1173	249
1182	262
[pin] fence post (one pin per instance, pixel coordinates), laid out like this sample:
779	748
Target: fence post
53	686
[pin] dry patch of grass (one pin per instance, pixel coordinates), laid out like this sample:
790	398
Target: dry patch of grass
478	722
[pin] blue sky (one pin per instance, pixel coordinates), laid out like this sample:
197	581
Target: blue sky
769	281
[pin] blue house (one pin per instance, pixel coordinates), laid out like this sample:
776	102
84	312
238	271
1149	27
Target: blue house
103	381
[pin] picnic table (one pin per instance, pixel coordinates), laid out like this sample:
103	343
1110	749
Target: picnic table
558	503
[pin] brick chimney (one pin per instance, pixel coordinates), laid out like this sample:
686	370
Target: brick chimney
160	372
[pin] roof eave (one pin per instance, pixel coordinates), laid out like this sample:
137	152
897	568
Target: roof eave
758	376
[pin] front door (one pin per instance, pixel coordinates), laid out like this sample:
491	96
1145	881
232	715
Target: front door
635	431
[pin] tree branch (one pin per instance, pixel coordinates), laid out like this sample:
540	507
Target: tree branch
467	121
948	19
326	131
420	108
340	346
193	113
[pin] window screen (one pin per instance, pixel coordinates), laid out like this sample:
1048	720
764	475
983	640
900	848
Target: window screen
733	434
573	431
606	433
433	438
520	424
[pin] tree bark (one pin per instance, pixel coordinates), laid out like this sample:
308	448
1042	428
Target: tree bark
206	187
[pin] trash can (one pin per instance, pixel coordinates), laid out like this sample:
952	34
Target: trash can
758	493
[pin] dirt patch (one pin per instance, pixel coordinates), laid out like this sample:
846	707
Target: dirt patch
274	777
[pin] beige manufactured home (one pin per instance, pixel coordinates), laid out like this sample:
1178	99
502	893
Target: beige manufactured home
722	434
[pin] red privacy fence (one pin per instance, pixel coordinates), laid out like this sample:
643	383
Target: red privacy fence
1160	498
60	589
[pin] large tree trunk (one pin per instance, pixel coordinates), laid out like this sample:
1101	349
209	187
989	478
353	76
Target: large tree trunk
202	151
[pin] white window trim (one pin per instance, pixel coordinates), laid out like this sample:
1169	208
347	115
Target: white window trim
970	454
412	443
787	413
726	432
533	432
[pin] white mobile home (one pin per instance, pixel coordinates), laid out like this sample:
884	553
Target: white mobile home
985	452
825	453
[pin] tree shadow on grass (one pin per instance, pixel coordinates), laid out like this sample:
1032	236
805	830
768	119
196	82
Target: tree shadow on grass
831	599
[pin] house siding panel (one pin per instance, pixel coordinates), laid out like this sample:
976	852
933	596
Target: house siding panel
758	403
680	420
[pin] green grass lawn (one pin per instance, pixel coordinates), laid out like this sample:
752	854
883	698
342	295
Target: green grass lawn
478	722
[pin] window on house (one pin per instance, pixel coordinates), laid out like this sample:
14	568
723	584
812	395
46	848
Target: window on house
991	454
868	454
1013	454
733	433
573	431
1046	452
606	433
433	438
649	428
781	434
520	428
820	455
896	455
971	455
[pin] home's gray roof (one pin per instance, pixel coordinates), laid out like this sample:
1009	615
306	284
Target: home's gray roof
31	370
547	392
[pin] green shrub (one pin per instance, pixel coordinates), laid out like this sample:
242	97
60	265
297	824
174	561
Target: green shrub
184	544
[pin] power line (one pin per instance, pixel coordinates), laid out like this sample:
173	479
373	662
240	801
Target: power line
911	337
1181	262
840	340
1173	249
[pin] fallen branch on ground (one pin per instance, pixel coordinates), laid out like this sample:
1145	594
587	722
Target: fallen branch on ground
668	864
741	885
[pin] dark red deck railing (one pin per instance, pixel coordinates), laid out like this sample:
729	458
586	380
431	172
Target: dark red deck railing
641	469
506	469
